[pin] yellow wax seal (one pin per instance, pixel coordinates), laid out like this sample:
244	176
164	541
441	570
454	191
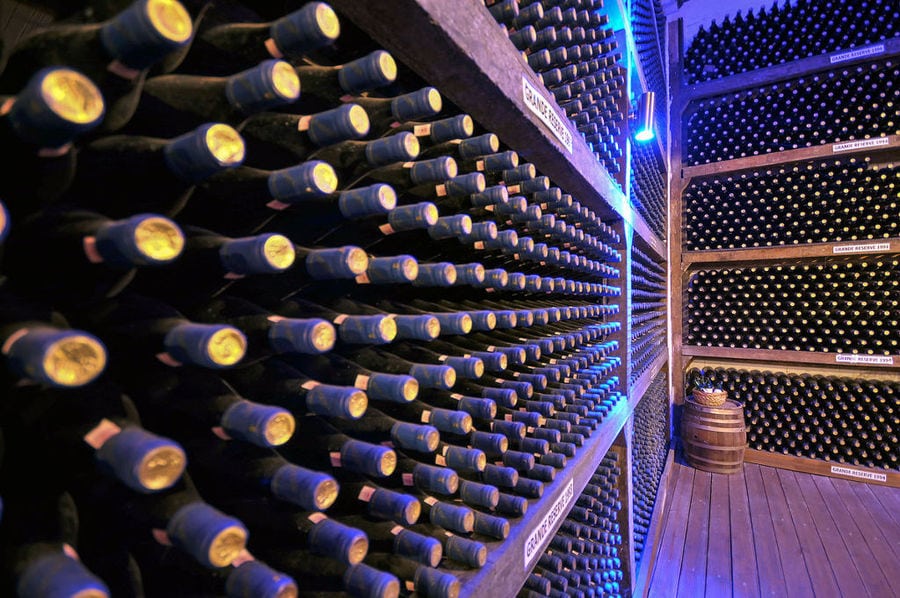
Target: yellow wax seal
225	144
227	346
159	239
279	252
161	467
74	360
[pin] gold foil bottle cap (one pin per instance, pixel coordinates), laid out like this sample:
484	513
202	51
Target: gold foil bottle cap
432	439
479	369
159	239
412	512
285	80
387	197
74	360
357	260
431	214
91	593
358	550
279	252
170	19
410	268
162	467
323	336
450	378
387	329
72	96
468	125
466	325
227	546
492	323
411	389
450	273
227	346
388	66
434	100
411	146
494	142
280	428
325	178
326	494
225	144
357	404
481	462
359	119
433	327
388	463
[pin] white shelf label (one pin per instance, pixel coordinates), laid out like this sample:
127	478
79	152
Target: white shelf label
871	359
844	56
559	509
862	143
861	248
544	110
858	473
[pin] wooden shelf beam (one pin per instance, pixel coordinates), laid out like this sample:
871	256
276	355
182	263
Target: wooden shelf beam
869	475
792	252
838	360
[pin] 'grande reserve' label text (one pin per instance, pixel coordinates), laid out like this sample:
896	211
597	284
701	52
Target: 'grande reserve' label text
544	111
535	541
860	53
859	473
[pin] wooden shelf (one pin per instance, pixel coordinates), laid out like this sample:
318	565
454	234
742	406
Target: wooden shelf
506	568
792	252
839	360
880	477
781	72
762	161
640	386
657	521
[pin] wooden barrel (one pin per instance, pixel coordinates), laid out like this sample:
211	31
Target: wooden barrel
714	438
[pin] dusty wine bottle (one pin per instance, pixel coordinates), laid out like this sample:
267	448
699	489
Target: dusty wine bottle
326	86
389	113
326	448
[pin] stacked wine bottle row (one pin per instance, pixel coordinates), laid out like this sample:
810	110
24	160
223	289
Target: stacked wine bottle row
847	420
648	25
844	199
568	44
648	312
649	450
242	292
648	186
843	306
583	558
857	102
799	29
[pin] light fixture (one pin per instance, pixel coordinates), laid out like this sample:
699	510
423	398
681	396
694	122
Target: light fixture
644	117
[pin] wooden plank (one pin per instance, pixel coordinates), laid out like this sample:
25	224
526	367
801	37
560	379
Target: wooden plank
789	547
676	187
768	561
781	72
718	561
811	544
890	362
763	161
692	581
882	552
890	499
671	548
745	579
845	573
887	520
873	578
824	468
640	386
655	529
782	253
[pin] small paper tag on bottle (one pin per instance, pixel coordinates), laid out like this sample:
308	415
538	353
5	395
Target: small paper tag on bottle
456	396
317	517
310	384
366	493
272	49
440	460
397	530
361	382
363	278
386	229
220	432
120	70
89	244
508	417
430	501
335	458
70	551
338	320
275	318
426	417
443	358
161	537
422	130
6	106
407	479
478	244
243	557
479	165
11	340
440	190
277	205
303	123
410	585
513	189
233	276
167	359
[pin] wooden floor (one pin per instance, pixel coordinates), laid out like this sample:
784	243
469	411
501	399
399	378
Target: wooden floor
773	532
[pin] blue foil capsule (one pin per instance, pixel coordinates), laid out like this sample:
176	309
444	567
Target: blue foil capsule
513	206
515	431
415	437
339	262
394	506
206	345
128	453
512	504
522	172
496	278
256	89
397	269
524	318
401	147
456	518
499	161
369	72
336	401
30	354
311	27
462	185
393	388
548	434
466	367
534	185
448	227
435	170
530	488
212	538
368	459
424	327
491	525
434	582
417	105
367	329
367	582
516	281
501	476
134	38
454	323
505	397
470	274
514	355
506	318
532	419
460	126
119	244
440	480
59	575
253	578
478	408
493	195
535	446
518	460
308	180
310	490
465	551
533	283
418	548
506	239
479	495
481	231
367	201
451	422
441	274
342	542
483	319
301	335
257	254
537	381
494	361
479	145
191	158
413	216
263	425
463	459
493	444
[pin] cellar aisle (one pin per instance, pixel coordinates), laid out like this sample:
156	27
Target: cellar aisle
774	532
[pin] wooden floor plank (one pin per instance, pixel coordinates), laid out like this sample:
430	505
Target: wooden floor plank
812	547
745	583
845	573
718	561
889	499
796	574
671	548
692	581
883	519
768	561
882	552
870	571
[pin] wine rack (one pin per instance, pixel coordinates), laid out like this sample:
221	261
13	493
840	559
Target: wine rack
648	26
762	189
648	313
648	186
448	320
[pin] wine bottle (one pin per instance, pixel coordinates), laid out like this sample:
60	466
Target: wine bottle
377	427
323	447
90	256
389	113
472	367
38	345
160	174
326	86
240	45
114	54
172	104
357	160
428	375
372	328
56	106
321	573
421	579
391	538
442	130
